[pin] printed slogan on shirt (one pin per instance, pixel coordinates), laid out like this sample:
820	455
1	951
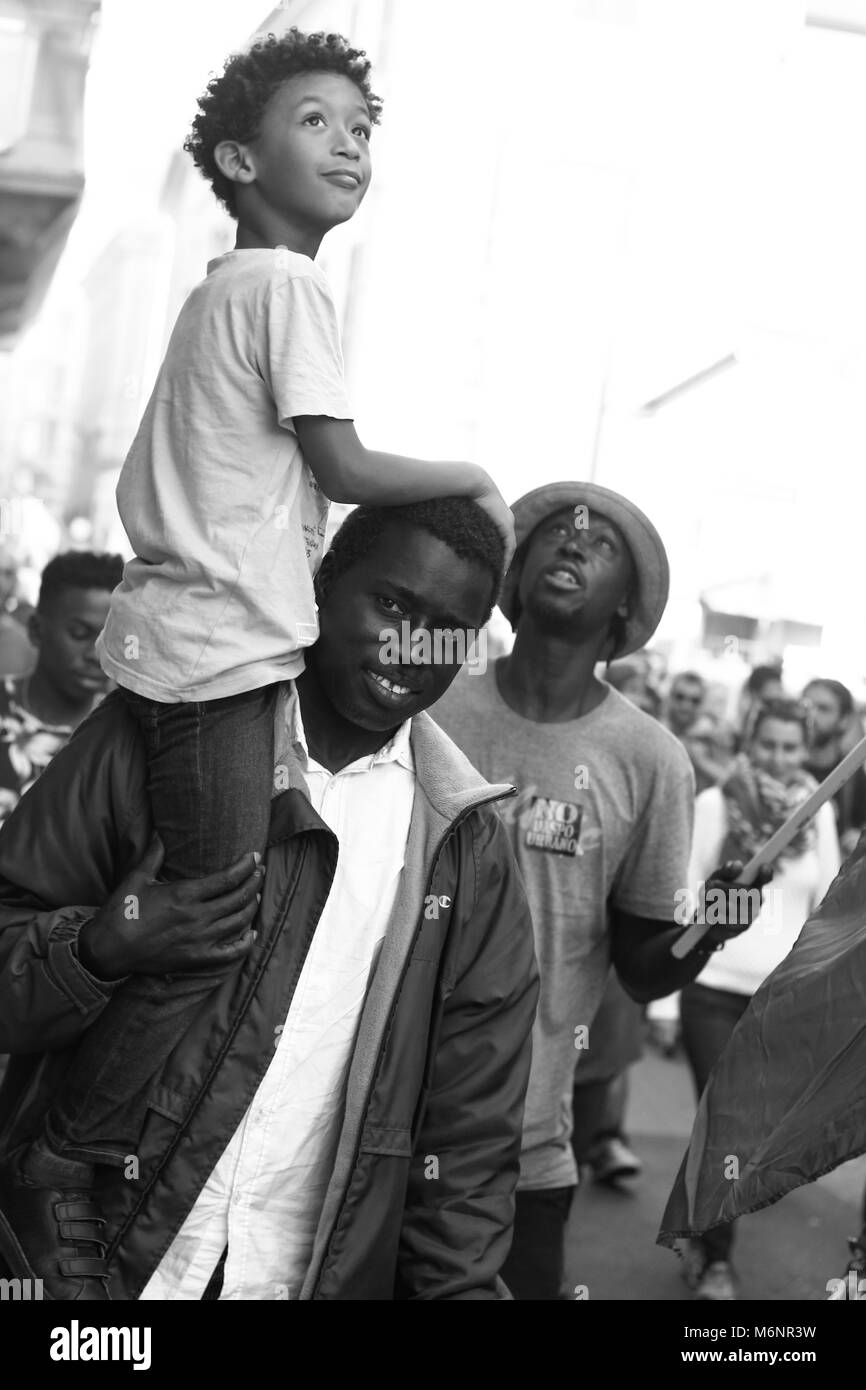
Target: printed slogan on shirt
554	826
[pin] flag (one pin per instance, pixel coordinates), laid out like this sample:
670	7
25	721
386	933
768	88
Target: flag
786	1101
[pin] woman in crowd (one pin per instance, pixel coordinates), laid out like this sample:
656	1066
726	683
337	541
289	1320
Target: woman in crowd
767	781
764	683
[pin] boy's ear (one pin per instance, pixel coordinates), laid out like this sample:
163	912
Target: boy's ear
235	161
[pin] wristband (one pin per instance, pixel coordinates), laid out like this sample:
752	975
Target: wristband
699	950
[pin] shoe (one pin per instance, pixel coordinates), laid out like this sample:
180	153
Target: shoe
610	1160
695	1261
716	1284
51	1230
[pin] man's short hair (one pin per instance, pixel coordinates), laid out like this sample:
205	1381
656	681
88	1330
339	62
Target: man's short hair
694	677
760	676
458	522
232	105
78	569
840	692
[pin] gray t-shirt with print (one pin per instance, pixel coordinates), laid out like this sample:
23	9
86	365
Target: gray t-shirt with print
603	817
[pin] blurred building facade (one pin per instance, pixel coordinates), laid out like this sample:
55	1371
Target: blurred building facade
605	238
44	54
132	297
45	50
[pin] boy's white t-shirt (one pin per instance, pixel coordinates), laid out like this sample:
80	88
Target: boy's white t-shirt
226	519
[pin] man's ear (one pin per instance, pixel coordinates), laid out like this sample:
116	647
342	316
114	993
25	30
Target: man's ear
324	578
628	598
34	628
235	161
515	570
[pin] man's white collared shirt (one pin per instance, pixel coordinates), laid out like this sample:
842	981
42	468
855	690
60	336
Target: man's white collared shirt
264	1197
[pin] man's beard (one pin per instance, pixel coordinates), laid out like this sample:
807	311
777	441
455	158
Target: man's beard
552	623
821	742
571	628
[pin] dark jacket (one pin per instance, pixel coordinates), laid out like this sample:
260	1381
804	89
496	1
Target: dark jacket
441	1062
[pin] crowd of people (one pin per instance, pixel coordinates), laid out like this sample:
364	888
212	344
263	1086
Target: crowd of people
546	730
750	772
323	951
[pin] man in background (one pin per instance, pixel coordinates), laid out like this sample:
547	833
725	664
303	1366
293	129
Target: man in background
40	711
601	827
835	730
685	698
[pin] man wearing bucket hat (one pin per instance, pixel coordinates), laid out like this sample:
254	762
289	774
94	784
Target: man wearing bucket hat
601	826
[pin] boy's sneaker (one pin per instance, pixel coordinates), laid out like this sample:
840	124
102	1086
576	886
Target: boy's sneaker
50	1226
610	1160
716	1284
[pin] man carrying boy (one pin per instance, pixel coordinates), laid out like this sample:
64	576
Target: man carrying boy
224	496
602	825
344	1113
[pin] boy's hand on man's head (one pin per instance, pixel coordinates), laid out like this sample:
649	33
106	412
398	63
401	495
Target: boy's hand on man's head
151	928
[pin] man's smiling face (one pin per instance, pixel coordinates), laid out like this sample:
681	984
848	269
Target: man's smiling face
410	578
576	573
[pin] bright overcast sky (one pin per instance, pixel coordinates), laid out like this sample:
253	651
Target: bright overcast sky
747	222
148	66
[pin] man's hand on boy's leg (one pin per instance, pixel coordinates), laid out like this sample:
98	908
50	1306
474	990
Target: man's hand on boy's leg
51	1227
152	928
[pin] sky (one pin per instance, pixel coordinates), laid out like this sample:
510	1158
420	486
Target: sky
701	194
148	65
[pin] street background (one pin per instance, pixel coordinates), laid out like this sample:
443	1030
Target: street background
786	1252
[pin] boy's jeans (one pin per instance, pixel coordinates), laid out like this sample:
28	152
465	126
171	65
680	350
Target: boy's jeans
210	775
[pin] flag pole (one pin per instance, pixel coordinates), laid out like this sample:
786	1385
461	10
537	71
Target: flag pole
783	837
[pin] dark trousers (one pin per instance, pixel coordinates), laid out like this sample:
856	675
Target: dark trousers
210	775
598	1111
535	1265
210	770
708	1018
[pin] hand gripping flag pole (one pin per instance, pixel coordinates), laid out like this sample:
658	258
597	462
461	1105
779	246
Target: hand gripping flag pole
783	836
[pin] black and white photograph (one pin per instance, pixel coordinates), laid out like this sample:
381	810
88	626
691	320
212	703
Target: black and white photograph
432	671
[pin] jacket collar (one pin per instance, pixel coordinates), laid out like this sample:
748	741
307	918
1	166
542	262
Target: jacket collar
449	782
290	733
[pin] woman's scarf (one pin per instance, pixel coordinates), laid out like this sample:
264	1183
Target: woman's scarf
757	804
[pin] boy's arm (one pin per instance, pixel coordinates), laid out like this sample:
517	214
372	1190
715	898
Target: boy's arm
299	356
346	471
457	1224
